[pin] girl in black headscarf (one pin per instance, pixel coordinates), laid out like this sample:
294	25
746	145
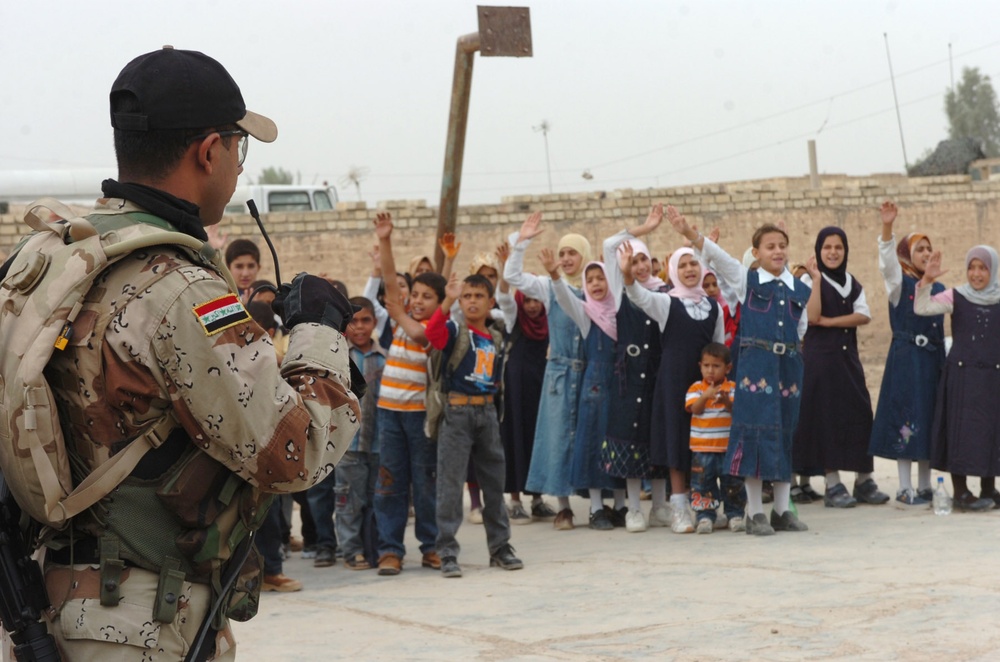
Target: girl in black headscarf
835	419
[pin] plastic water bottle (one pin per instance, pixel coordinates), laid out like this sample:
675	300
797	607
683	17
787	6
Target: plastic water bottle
942	501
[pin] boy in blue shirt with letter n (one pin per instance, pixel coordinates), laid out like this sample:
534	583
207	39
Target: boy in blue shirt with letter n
470	425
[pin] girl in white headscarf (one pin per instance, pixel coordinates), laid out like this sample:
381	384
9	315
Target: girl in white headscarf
966	435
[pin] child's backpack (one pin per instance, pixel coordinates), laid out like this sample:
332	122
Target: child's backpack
439	374
41	294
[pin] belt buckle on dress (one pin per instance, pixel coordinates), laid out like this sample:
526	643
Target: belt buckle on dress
778	348
921	340
632	350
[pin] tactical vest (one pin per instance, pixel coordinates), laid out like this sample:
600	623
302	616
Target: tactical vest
181	513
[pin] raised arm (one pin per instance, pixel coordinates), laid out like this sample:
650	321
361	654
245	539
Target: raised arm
393	295
654	304
569	302
371	292
505	298
939	304
450	249
888	264
530	284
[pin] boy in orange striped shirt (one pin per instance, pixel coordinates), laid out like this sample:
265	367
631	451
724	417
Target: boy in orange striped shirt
710	402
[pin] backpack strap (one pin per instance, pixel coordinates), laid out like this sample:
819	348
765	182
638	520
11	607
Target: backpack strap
102	480
79	228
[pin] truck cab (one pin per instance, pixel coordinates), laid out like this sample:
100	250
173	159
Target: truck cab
282	197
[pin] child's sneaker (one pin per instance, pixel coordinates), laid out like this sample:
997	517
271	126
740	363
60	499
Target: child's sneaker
737	525
721	521
705	525
309	551
450	567
659	516
517	514
542	510
475	516
357	562
564	520
681	521
909	497
635	521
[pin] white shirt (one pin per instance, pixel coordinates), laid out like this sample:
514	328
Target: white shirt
860	304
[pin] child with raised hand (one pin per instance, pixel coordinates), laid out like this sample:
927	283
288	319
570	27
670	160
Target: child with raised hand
966	441
625	453
408	458
905	412
551	457
688	320
595	316
835	423
710	401
773	321
527	330
375	292
470	429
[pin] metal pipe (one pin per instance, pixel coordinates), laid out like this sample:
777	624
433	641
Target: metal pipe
454	151
813	168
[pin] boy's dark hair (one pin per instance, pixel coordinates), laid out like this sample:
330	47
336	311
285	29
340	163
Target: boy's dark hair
241	247
767	228
364	304
434	281
718	351
478	280
262	314
259	283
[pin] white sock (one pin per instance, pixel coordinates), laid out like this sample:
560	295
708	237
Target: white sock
782	491
633	486
755	496
595	501
678	502
924	474
659	487
904	467
563	503
619	499
832	479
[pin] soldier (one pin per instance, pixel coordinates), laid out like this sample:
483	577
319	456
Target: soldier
165	346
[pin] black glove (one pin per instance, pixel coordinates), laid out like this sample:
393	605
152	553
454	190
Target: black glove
312	299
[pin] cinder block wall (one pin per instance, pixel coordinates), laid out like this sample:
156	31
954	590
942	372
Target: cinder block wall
955	212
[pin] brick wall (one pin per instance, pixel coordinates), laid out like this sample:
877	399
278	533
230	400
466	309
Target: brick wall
955	212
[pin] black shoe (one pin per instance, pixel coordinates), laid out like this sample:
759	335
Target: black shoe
994	496
758	526
601	520
450	567
808	490
542	510
837	497
504	558
799	496
617	517
787	521
968	503
927	494
324	558
867	492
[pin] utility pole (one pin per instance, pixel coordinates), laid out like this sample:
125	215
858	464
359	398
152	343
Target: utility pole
899	119
544	128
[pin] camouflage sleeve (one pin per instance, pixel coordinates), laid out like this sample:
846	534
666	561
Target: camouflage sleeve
283	429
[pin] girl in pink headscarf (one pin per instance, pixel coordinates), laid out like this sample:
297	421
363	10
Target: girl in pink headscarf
596	318
688	320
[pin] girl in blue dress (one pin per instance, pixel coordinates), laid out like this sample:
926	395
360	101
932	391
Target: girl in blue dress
595	317
905	412
552	453
773	321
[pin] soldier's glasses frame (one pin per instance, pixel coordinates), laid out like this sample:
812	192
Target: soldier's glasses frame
243	145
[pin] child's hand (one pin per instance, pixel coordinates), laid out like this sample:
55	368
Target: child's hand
625	253
216	237
448	245
531	227
888	212
723	398
711	393
715	234
812	268
375	256
933	271
781	226
680	223
655	217
394	307
548	259
453	290
383	225
503	252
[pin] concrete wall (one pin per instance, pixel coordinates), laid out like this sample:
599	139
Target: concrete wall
955	212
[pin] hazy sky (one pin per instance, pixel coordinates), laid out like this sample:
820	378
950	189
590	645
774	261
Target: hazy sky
639	93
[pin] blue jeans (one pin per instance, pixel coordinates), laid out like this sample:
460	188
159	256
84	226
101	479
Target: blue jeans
356	476
407	459
711	485
322	501
268	539
470	432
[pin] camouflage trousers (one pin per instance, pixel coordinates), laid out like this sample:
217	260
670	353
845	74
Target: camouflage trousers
84	630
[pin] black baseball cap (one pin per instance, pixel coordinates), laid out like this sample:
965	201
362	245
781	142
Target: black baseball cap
179	89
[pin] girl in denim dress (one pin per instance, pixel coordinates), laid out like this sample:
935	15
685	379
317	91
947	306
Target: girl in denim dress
768	380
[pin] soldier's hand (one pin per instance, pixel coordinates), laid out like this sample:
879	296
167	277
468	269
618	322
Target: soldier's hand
312	299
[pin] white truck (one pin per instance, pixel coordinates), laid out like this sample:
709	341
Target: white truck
282	197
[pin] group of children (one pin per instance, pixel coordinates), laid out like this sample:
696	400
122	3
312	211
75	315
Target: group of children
725	381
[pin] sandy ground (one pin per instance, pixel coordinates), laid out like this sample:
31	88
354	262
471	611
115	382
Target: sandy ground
870	583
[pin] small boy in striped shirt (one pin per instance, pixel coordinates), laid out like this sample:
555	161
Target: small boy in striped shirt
710	402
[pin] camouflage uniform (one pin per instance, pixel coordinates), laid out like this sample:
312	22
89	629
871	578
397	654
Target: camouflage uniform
144	348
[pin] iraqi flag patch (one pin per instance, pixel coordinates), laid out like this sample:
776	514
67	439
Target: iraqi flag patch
221	313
